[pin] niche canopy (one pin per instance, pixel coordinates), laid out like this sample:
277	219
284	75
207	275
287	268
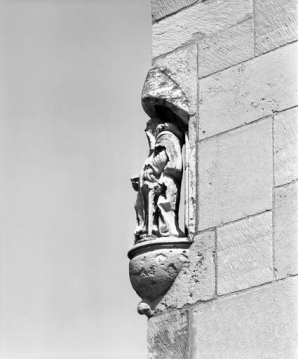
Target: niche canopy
162	96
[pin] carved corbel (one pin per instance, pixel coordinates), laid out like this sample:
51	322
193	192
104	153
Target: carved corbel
161	247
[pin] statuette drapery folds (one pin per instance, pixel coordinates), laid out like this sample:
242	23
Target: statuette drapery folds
159	183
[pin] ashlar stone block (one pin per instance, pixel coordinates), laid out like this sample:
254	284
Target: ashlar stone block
162	8
244	254
276	24
235	174
247	92
181	67
201	19
167	336
260	323
202	268
196	281
286	230
226	48
286	147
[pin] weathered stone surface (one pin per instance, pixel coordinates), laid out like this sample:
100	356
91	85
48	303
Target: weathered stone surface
286	230
162	97
162	8
181	67
167	336
286	147
154	268
159	183
235	174
226	48
190	177
260	323
202	268
197	21
244	254
196	281
249	91
191	190
276	23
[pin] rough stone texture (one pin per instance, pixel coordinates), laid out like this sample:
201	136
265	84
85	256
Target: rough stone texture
286	147
276	23
196	281
244	254
153	272
167	336
249	91
226	48
162	8
260	323
190	202
286	230
190	176
197	21
235	174
181	67
202	268
161	94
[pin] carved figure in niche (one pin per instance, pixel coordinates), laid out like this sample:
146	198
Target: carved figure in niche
159	183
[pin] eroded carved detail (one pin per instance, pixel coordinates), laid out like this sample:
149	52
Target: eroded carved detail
161	249
159	183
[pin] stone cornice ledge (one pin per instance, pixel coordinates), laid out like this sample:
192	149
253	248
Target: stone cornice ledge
154	244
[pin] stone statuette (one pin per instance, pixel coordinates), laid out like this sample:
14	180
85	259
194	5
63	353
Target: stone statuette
160	249
159	183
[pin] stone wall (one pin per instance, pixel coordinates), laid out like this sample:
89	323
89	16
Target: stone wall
237	62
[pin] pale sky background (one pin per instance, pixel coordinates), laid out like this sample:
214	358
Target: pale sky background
71	136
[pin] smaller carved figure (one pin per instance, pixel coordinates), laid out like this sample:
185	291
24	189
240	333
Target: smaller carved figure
159	183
